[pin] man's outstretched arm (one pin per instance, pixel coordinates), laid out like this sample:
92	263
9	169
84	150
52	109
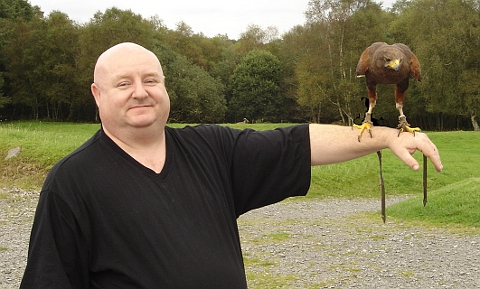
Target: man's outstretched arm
334	144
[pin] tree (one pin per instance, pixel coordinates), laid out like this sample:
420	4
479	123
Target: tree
3	99
327	78
469	95
114	26
12	13
20	73
313	89
255	87
223	69
199	49
289	51
42	69
58	70
255	37
12	9
447	45
195	96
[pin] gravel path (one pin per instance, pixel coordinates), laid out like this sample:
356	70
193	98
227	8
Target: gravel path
305	244
16	215
331	244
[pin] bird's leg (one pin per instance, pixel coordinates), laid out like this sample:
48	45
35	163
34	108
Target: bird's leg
403	125
367	122
366	125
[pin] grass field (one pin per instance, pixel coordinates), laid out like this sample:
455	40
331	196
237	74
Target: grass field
454	194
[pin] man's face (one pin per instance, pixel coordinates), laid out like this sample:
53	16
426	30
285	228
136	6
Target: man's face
129	88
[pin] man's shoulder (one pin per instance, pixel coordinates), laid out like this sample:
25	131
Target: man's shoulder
76	159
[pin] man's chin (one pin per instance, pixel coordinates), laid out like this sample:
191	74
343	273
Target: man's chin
144	120
141	121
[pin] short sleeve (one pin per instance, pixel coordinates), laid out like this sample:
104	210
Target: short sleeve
269	166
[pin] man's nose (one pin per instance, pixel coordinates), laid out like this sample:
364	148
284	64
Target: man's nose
139	91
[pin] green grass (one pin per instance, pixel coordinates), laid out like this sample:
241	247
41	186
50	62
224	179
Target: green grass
454	204
42	144
454	196
360	177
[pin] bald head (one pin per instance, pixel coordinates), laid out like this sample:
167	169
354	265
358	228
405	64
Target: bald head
130	93
130	53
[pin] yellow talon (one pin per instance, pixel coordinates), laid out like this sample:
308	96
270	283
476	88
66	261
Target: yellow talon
366	125
412	129
403	126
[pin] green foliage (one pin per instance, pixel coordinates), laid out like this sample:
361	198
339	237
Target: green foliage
195	95
256	38
197	48
328	85
224	68
115	26
12	9
3	99
255	86
47	63
447	46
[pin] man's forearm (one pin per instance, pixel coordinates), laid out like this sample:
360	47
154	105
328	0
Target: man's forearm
333	144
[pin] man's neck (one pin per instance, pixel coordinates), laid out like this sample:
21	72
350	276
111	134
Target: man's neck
145	145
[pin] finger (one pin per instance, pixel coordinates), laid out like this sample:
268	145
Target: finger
407	158
429	149
435	159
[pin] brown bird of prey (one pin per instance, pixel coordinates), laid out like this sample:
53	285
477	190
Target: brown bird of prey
394	64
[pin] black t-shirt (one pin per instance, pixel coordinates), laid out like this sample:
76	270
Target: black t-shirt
106	221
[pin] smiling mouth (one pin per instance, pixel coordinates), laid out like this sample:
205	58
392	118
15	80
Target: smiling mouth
140	106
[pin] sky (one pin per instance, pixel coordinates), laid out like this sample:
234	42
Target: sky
210	17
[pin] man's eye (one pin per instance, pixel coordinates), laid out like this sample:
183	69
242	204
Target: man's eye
150	81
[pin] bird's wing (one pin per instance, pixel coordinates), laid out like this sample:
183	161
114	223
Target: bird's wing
364	62
415	68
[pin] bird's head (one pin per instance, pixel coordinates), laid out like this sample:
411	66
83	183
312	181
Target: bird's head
393	63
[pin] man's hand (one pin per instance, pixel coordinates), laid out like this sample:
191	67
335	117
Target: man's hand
333	144
404	145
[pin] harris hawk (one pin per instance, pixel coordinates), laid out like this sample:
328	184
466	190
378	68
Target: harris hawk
382	63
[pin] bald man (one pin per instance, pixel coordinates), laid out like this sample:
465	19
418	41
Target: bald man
143	205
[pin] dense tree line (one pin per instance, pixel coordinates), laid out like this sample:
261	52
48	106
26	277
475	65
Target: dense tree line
306	74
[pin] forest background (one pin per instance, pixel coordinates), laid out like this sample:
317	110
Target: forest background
305	75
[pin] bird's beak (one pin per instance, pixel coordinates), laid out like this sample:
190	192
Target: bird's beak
395	64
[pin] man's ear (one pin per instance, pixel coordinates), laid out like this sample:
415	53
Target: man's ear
96	92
